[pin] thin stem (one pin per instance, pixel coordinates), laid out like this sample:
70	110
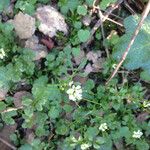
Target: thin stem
134	35
91	101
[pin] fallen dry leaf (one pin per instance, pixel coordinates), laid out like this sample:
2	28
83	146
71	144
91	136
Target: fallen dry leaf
5	136
48	43
3	94
143	116
18	98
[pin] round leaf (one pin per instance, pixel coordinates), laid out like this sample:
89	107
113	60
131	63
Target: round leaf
83	35
82	10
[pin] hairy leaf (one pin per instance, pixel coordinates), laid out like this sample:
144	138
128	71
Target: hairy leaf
139	54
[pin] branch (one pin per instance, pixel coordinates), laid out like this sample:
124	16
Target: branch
105	16
144	15
8	144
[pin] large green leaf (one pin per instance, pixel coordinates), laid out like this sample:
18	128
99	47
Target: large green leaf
4	4
139	54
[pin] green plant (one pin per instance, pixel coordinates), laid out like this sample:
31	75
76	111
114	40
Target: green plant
65	108
139	49
4	4
105	3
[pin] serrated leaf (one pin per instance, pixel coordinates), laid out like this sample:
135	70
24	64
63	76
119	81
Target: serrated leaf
139	54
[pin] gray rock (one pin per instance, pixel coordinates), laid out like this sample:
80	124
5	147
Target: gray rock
24	25
39	49
51	21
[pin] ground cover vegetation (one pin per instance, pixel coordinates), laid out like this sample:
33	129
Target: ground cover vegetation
54	70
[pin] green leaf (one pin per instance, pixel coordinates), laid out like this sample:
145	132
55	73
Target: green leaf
66	5
25	6
83	63
2	106
82	10
43	1
142	145
89	85
77	25
90	2
83	35
62	128
7	117
105	3
4	4
124	132
27	102
139	54
26	147
76	51
54	112
91	133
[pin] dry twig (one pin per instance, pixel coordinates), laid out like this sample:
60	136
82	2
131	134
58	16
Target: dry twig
11	109
144	15
8	144
105	16
103	33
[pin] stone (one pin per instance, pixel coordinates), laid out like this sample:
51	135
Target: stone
24	25
39	49
51	21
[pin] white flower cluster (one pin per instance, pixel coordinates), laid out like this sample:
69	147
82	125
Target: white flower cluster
74	92
85	146
2	53
146	104
137	134
103	127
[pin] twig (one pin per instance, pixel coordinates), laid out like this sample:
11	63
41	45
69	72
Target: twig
113	21
112	14
11	109
129	8
98	24
103	33
8	144
144	15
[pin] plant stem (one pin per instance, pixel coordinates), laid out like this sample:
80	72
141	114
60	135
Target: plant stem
91	101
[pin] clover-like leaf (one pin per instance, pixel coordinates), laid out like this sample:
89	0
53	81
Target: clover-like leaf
83	35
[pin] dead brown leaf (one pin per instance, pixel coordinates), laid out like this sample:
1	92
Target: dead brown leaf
18	98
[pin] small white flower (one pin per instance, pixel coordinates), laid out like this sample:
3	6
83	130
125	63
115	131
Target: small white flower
73	139
2	53
103	127
146	104
85	146
74	92
137	134
71	83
